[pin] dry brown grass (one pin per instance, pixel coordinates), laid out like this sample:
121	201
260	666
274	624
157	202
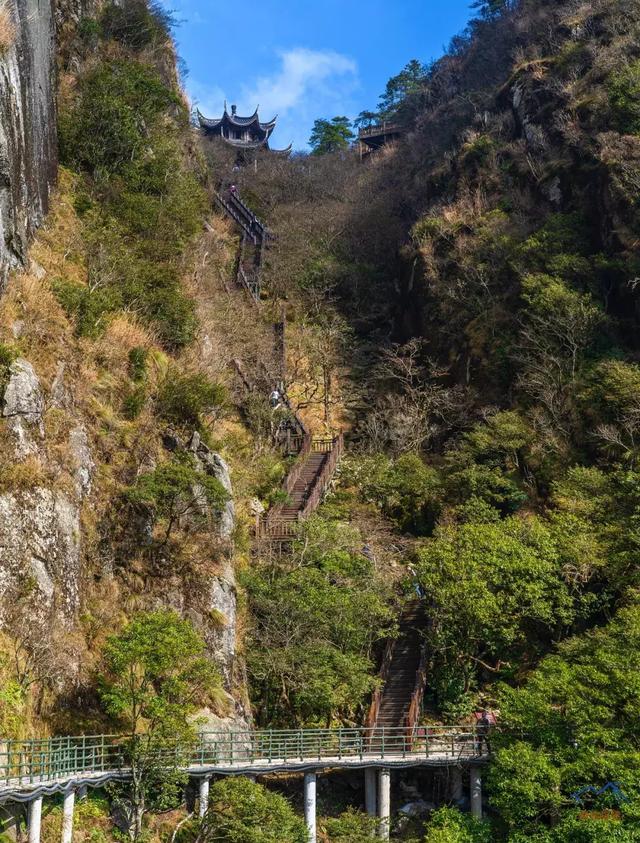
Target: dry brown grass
7	27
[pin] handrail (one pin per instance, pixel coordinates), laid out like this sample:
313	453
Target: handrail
272	525
253	221
270	522
413	715
26	764
376	700
236	217
323	478
252	286
381	129
294	475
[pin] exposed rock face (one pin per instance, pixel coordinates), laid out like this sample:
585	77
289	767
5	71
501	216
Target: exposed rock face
222	600
40	542
28	141
40	528
213	464
23	406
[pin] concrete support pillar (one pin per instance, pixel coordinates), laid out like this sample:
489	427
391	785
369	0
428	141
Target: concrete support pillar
370	791
203	796
310	786
34	820
476	792
384	802
456	793
67	816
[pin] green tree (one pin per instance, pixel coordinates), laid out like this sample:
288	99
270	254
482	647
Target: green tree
156	676
492	8
184	399
314	624
241	811
579	713
399	88
495	591
351	827
176	490
624	93
448	825
366	119
331	135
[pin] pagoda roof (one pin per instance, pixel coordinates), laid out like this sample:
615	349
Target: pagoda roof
236	121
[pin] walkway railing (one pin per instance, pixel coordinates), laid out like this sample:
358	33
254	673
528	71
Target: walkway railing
334	449
381	129
25	763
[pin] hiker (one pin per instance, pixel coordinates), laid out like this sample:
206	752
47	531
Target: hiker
275	399
416	582
483	727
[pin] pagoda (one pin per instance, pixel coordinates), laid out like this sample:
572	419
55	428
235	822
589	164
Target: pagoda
243	133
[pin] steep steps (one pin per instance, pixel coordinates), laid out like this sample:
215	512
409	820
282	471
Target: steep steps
304	486
390	707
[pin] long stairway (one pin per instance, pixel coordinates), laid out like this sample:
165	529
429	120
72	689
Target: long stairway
302	487
305	486
394	704
404	665
254	241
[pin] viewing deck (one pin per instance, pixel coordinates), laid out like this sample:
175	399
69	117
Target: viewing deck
30	769
375	137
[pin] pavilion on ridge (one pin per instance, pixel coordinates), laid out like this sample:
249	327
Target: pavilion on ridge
243	133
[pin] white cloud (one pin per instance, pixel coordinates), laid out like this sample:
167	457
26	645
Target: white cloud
307	84
303	74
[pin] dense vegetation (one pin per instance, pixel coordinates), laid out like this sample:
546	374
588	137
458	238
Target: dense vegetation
465	303
486	265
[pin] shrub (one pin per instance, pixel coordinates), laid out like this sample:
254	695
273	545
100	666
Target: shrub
144	205
624	99
108	126
137	24
241	811
448	825
88	308
352	827
134	402
7	356
183	399
176	490
138	363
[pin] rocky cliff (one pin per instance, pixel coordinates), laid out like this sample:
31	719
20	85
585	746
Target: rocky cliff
99	419
28	148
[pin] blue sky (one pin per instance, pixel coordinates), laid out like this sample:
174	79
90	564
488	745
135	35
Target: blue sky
304	60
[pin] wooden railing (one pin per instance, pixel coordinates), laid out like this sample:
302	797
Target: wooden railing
381	129
272	525
415	708
251	284
374	708
236	217
324	476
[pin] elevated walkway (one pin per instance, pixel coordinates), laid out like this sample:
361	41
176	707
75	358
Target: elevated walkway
32	769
